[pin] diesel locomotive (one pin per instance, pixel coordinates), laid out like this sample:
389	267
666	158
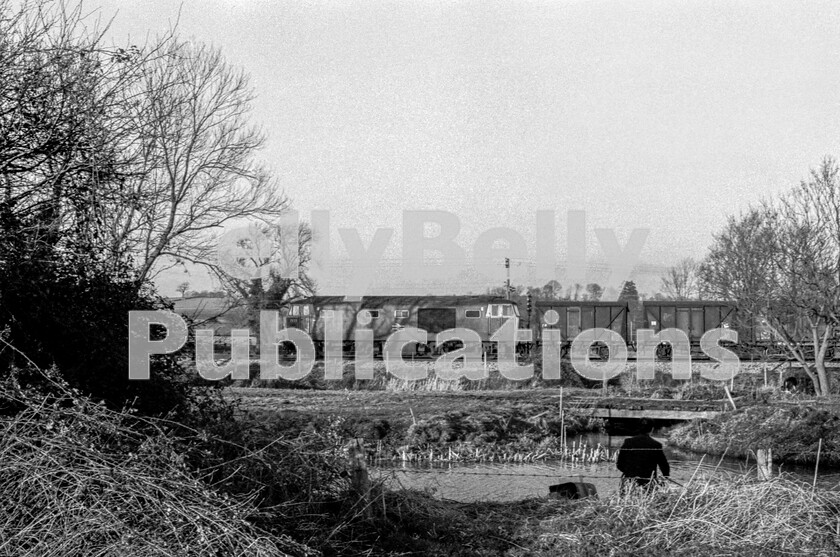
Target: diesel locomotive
386	314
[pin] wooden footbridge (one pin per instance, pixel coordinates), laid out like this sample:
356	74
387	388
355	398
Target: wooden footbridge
654	409
651	414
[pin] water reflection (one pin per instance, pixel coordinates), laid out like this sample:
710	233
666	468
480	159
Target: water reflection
510	482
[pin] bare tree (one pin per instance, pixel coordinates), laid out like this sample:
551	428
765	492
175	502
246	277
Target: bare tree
182	288
680	281
194	160
63	102
781	263
552	290
276	288
594	291
138	154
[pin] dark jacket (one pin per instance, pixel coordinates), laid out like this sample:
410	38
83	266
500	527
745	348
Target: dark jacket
640	455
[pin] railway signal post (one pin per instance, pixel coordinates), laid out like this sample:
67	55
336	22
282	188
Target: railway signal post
507	282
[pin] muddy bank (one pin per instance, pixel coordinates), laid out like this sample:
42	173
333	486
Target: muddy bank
792	430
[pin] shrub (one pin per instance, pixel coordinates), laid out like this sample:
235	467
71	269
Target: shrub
73	314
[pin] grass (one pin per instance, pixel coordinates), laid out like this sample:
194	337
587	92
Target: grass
79	479
733	516
755	382
412	425
384	381
793	431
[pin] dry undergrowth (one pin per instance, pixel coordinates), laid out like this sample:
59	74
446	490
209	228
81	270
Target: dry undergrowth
733	516
79	479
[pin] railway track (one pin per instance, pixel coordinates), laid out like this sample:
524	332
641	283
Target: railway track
524	359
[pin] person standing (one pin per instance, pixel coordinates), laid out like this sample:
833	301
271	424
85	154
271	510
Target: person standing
639	458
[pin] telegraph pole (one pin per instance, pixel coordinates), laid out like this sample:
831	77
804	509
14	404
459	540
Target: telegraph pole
507	282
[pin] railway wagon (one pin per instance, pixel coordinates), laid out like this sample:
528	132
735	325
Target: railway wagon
572	316
694	318
756	340
386	314
626	318
760	339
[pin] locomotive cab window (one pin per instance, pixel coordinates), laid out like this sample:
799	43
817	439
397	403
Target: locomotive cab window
500	310
294	311
472	313
400	313
374	313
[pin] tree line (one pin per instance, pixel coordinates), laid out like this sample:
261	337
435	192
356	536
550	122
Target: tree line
680	283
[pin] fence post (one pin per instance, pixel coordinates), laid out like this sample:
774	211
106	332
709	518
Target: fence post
562	422
764	461
359	480
817	465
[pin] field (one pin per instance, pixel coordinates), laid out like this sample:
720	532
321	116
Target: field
523	419
493	425
484	424
410	406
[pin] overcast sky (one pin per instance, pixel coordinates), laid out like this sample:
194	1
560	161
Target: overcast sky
660	115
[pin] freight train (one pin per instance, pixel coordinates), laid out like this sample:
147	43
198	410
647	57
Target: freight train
486	314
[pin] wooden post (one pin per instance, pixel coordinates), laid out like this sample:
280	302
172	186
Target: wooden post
359	479
817	465
764	461
729	396
562	422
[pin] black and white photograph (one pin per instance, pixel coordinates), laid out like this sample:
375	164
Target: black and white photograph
386	278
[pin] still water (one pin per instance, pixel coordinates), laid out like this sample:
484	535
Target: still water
511	482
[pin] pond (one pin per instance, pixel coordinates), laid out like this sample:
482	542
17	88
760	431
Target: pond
469	482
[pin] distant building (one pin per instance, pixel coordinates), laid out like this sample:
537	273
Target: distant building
219	314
